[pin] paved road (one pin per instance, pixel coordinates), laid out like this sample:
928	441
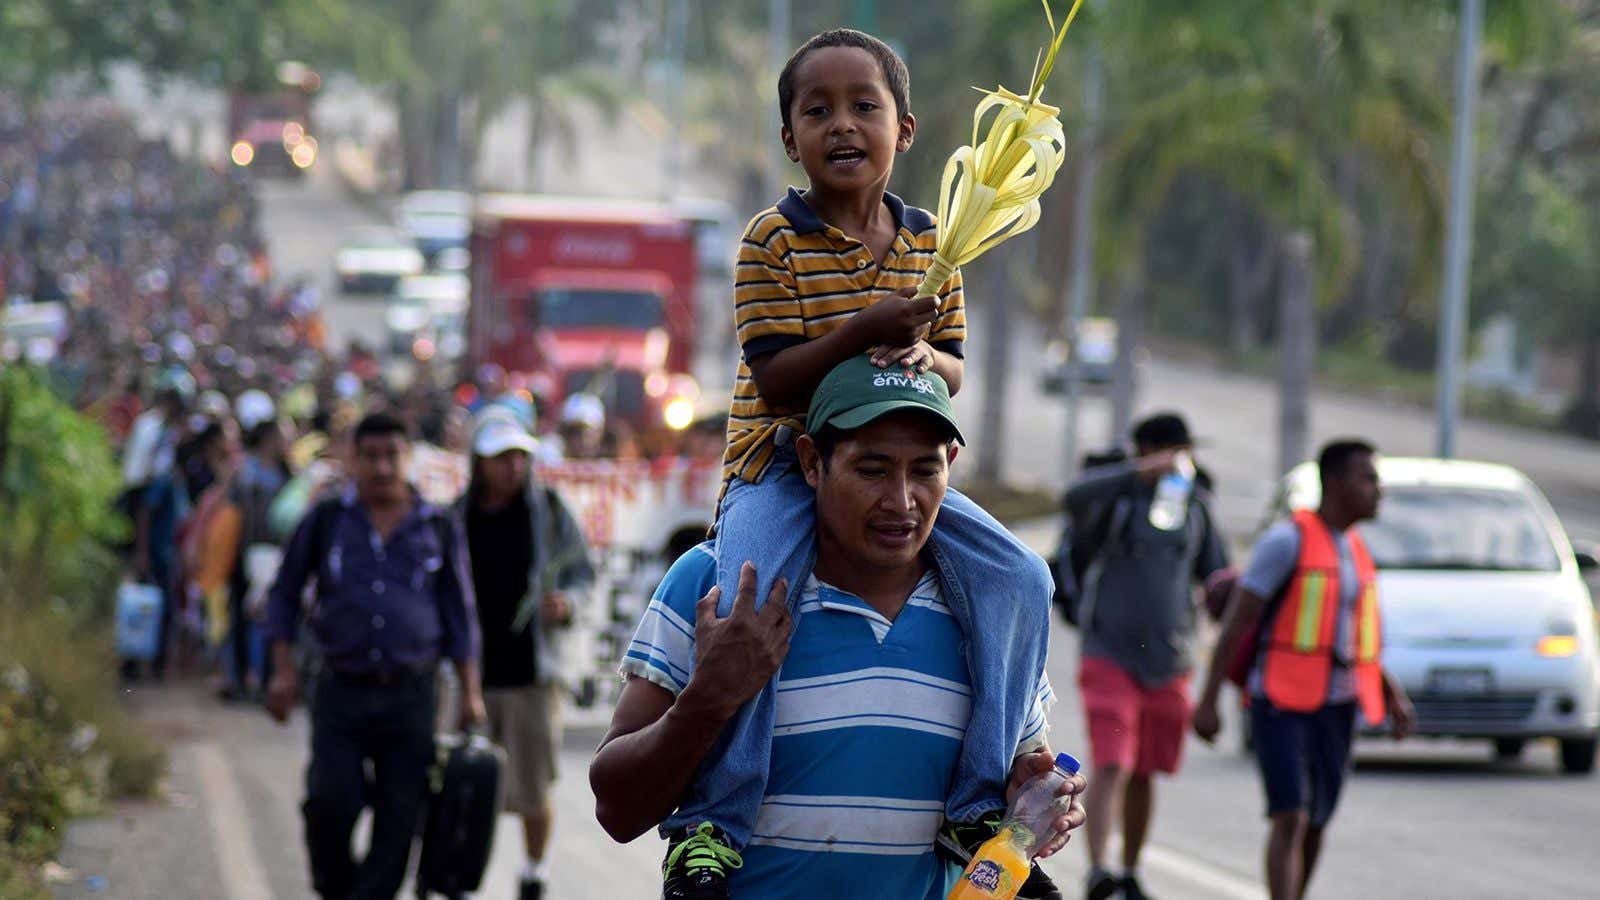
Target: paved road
1235	417
1423	820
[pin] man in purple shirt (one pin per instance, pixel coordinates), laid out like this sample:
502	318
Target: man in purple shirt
393	597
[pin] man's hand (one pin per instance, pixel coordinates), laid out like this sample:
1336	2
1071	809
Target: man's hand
1402	715
1206	722
1157	464
282	693
1023	770
555	609
918	356
473	711
735	657
897	320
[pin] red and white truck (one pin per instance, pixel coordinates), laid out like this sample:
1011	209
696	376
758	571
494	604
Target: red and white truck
576	294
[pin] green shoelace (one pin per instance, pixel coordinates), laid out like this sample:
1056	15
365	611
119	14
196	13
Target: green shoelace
701	851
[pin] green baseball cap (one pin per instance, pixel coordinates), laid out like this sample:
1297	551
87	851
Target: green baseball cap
857	392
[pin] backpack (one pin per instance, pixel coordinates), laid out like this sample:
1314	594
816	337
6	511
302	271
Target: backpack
1081	543
1074	564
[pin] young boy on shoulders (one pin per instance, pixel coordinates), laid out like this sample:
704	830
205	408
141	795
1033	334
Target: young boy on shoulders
825	275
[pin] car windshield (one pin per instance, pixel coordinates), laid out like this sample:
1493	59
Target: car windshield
630	310
1464	529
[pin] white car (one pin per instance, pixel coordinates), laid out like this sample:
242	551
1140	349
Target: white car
1097	356
373	260
419	304
1487	620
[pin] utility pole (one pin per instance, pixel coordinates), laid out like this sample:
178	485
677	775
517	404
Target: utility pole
677	39
1297	350
1081	283
1458	247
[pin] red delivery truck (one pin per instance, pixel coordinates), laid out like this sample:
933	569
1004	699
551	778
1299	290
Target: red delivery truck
587	294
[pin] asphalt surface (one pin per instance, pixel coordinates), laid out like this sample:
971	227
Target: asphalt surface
1420	820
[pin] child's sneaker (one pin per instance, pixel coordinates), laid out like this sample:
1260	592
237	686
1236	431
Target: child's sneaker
957	841
697	865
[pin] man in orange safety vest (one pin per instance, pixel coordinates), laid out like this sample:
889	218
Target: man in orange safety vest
1305	617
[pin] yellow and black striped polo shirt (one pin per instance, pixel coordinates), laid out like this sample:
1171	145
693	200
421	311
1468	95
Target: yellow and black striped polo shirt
800	278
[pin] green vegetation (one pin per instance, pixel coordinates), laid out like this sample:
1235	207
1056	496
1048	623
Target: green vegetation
1228	127
65	746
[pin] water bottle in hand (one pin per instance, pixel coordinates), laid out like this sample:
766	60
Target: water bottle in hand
1170	508
1001	865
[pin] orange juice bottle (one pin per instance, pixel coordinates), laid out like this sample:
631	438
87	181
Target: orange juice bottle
998	869
1002	864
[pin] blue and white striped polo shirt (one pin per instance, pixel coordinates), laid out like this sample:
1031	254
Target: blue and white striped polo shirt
869	723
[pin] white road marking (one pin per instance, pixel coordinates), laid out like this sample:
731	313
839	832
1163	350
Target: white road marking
1213	879
243	876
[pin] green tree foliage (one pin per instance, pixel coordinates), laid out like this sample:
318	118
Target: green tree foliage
58	484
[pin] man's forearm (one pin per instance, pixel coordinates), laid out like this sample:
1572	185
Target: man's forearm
283	657
467	672
1098	485
639	778
1242	610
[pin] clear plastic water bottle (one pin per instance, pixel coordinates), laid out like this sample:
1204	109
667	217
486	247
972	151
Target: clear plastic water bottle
1001	865
1170	508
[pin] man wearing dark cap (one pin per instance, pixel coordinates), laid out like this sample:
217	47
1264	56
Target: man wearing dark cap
877	687
1154	541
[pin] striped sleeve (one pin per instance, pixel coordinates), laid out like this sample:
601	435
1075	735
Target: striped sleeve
662	650
949	331
1037	725
766	305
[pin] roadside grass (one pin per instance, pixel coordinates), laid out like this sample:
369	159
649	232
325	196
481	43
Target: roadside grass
66	746
1010	503
1358	372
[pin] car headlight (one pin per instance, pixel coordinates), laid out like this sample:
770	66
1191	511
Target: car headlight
242	154
304	153
1557	646
678	413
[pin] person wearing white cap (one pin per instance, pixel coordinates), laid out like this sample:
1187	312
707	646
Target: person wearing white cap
253	408
582	429
530	566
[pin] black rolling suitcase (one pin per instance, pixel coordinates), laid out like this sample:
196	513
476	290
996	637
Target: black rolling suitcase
458	832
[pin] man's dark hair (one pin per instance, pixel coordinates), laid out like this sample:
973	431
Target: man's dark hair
895	73
259	433
379	424
1335	458
1162	431
828	438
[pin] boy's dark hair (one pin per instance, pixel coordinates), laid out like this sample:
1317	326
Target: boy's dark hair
379	424
1335	458
895	73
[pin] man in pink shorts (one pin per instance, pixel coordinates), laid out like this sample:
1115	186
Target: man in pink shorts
1139	619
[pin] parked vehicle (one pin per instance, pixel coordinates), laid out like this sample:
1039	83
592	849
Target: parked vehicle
1096	358
373	260
32	331
1487	620
420	303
